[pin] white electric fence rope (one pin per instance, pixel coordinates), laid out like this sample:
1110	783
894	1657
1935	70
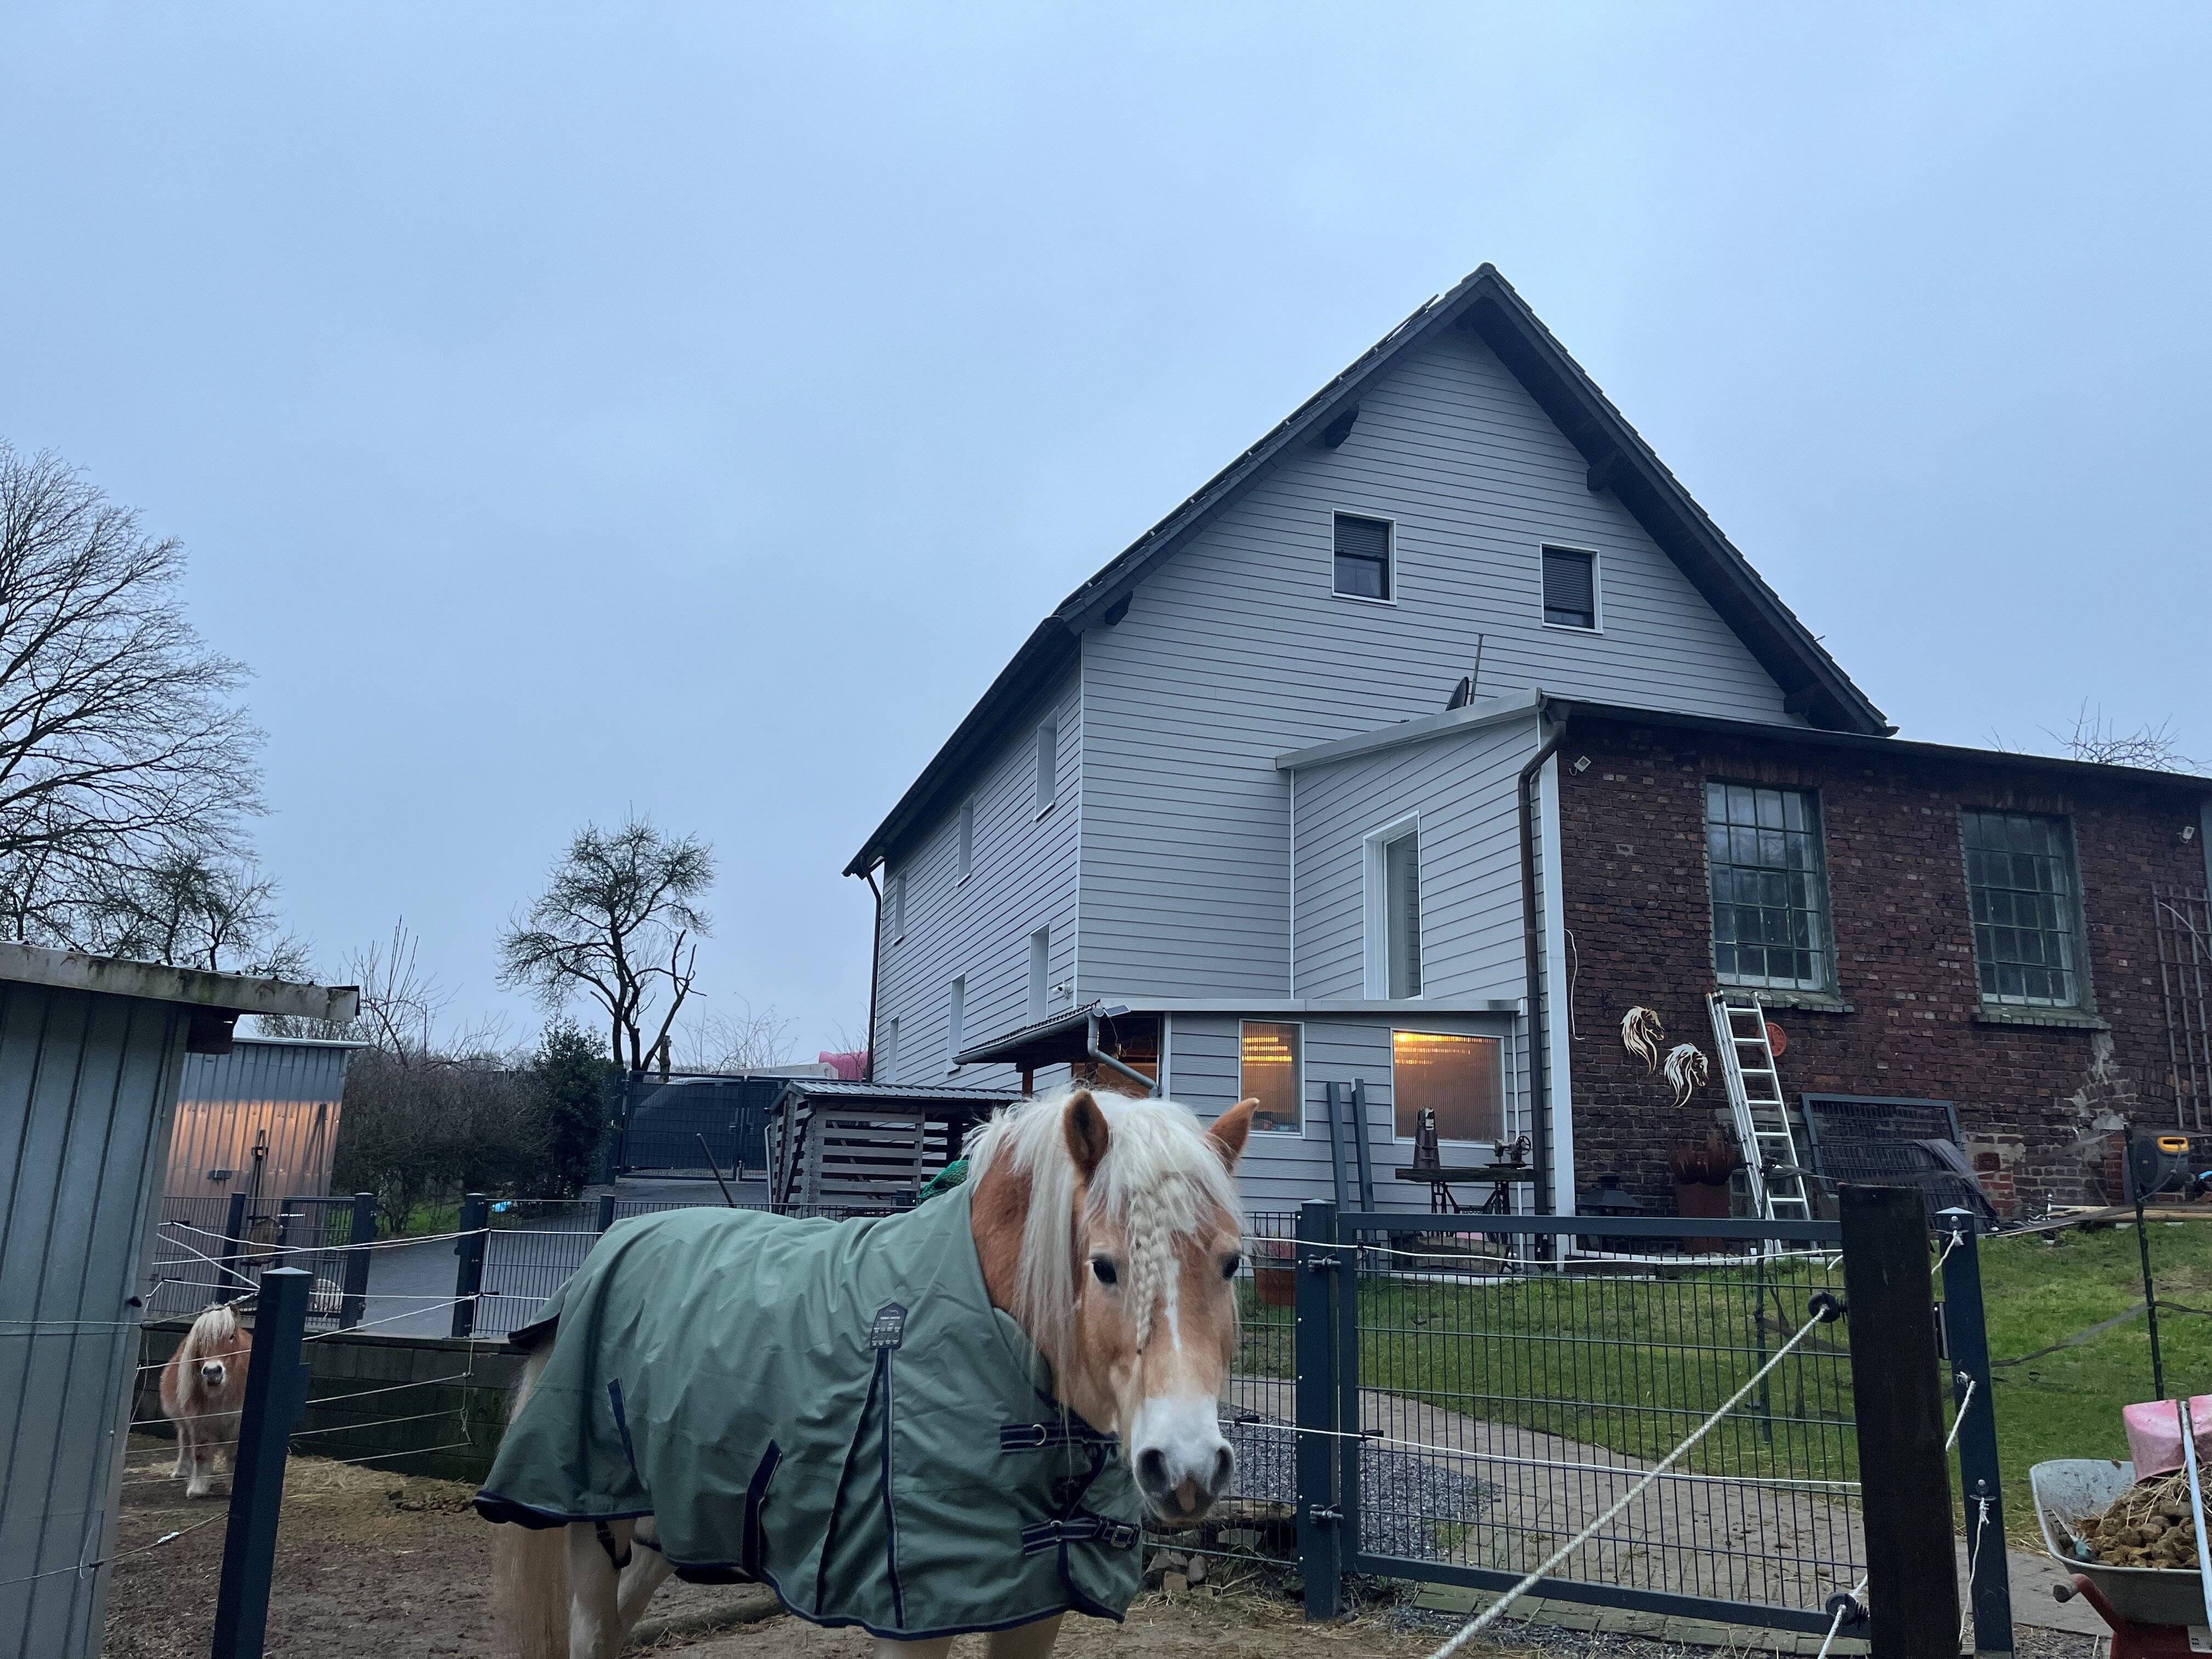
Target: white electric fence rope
1496	1610
1843	1607
1376	1438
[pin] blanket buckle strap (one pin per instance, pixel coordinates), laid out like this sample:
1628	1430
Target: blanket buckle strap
606	1537
1085	1527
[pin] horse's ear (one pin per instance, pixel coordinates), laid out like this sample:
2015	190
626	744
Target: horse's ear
1085	1126
1229	1130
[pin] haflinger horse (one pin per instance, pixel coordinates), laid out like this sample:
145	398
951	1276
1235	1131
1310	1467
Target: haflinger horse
955	1419
203	1392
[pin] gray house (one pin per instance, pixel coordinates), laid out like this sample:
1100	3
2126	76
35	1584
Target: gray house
1244	815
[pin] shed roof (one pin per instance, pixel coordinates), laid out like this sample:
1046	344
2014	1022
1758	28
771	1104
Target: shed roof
825	1088
235	993
1812	682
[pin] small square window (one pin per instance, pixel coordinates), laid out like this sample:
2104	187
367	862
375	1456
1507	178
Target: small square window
1363	557
1570	588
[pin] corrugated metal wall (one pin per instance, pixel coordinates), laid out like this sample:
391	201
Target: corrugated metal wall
87	1083
262	1119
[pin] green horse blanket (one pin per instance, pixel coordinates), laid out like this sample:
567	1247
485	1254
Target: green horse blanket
831	1408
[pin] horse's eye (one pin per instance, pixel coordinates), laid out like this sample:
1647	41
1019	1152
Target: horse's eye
1229	1268
1104	1269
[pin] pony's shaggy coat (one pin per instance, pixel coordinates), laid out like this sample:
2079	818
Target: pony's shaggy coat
203	1392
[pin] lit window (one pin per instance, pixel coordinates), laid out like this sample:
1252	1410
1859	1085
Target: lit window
1769	892
1363	557
1271	1074
2020	881
1461	1079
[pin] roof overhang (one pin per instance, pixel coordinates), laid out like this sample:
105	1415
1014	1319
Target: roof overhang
217	1000
1814	684
1472	717
1064	1039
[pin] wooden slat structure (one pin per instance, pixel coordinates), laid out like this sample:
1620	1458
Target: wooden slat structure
866	1147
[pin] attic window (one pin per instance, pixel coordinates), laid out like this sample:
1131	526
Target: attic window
1570	588
1363	557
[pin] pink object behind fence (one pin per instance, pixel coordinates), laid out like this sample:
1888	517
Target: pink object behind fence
2154	1433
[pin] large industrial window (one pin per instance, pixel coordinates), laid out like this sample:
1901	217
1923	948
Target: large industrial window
1461	1079
1394	911
1271	1071
2019	882
1769	888
1363	557
1570	588
1047	764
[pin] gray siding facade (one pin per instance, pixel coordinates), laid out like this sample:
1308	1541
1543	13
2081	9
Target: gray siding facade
1236	650
977	928
86	1084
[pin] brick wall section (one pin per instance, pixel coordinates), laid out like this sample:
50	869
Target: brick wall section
2036	1105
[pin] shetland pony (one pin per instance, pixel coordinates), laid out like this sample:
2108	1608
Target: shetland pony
203	1391
1110	1230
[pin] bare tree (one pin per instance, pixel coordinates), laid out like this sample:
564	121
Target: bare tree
618	922
195	910
401	1006
2095	737
736	1042
121	755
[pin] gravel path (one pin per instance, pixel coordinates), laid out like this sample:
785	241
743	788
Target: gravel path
1407	1504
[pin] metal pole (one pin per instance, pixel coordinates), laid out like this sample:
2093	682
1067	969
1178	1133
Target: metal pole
1966	1336
476	1215
233	1248
1320	1534
1332	1095
606	1210
1905	1472
1359	1131
275	1394
354	1307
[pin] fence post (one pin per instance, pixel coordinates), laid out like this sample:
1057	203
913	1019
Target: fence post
1905	1475
1967	1338
617	1137
276	1395
606	1210
476	1215
233	1248
355	1306
1320	1532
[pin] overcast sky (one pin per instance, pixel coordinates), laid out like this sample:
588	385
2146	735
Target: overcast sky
570	409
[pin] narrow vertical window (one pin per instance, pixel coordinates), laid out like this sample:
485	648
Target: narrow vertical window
1770	890
1363	557
2020	886
1392	920
1047	764
1040	973
888	1072
1270	1073
956	1010
898	907
967	853
1570	588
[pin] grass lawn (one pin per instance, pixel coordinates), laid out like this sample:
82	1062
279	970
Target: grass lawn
1633	1364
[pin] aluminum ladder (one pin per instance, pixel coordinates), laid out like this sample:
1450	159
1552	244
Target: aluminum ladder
1762	1114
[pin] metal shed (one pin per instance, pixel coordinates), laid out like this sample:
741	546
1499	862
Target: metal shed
92	1057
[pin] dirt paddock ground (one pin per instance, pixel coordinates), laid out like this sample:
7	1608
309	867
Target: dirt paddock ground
372	1566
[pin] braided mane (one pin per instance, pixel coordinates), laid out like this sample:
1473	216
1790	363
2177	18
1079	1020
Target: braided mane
1160	1178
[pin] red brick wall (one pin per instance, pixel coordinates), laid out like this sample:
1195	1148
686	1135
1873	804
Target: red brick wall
2035	1104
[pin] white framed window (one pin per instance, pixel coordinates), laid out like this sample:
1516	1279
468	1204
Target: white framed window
888	1072
1393	919
1047	766
955	1014
965	858
1570	589
1365	568
1040	974
1462	1078
1271	1068
898	907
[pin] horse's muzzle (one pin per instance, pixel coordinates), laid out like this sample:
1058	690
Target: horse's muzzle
1183	1488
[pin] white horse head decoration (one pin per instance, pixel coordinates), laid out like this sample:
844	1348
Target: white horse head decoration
1641	1034
1687	1070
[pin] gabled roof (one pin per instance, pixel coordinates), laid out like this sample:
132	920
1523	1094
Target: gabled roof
1619	460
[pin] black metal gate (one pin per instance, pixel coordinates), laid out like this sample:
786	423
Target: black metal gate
660	1124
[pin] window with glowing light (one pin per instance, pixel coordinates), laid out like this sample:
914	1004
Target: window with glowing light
1462	1078
1271	1071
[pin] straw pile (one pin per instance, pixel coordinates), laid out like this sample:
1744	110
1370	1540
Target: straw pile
2146	1526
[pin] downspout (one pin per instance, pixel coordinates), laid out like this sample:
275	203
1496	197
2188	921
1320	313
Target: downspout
875	978
1099	1055
1539	1112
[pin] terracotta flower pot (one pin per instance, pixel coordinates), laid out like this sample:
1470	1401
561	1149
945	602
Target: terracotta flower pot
1276	1283
1698	1200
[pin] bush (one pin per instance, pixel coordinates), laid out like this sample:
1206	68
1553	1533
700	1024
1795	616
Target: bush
569	1079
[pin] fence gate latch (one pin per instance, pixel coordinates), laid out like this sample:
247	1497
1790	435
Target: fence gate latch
1323	1264
1321	1515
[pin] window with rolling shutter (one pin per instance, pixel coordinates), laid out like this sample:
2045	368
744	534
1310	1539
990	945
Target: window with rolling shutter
1363	557
1570	588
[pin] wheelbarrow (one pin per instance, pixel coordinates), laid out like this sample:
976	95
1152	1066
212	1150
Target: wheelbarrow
2155	1613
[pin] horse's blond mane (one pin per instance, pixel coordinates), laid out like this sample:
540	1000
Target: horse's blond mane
1160	1174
